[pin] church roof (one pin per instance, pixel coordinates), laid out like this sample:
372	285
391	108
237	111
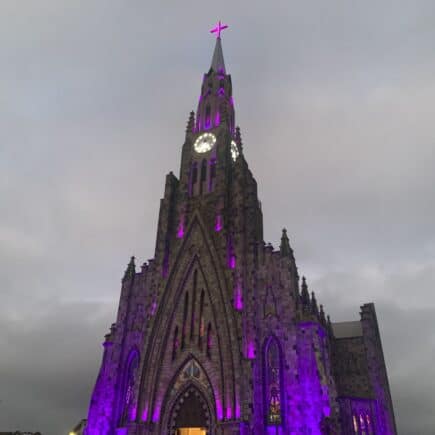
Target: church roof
217	62
347	329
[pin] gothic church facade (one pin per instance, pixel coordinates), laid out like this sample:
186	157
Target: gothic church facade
217	334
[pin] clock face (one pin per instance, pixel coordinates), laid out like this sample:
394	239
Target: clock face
204	142
234	151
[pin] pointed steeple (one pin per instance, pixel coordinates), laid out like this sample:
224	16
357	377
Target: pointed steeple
284	247
217	62
191	122
322	315
305	296
314	307
131	269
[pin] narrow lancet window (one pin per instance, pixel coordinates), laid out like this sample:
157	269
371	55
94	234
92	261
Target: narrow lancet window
212	175
128	390
201	320
203	174
273	382
192	319
193	178
183	332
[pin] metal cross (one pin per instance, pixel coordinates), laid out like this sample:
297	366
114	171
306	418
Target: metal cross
218	29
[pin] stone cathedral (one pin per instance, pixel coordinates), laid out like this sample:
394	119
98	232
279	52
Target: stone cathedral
217	333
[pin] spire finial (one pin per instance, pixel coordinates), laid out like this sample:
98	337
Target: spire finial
131	269
284	247
218	29
305	296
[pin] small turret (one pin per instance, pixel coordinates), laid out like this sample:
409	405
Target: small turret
284	247
305	296
322	316
314	307
190	123
130	271
238	139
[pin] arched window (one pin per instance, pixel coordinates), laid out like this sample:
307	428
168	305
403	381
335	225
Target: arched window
186	308
192	319
193	178
207	116
175	343
273	386
201	320
203	175
128	385
212	175
355	424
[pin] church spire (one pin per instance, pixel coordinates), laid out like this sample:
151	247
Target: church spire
217	62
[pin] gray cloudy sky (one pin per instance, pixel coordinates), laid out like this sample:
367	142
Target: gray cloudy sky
336	104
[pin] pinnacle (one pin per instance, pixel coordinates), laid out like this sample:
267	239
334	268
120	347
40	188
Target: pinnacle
217	62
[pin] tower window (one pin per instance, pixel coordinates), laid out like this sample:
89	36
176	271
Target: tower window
203	174
207	117
212	175
193	178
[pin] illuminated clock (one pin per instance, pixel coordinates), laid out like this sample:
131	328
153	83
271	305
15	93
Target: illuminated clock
234	151
204	143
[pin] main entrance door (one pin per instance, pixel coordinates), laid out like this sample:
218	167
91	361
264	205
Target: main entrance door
191	414
191	431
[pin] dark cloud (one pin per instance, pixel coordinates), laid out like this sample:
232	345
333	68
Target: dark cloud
335	101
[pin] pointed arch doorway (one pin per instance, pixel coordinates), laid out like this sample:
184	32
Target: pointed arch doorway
191	415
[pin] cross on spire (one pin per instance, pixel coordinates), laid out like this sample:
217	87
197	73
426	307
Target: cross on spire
218	29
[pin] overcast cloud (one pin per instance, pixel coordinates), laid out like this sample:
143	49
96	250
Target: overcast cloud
336	105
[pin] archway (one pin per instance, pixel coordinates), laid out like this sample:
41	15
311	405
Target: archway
190	414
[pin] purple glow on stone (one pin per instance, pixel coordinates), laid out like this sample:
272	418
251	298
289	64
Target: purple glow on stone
221	92
238	298
250	350
218	225
133	413
153	308
145	413
232	262
121	431
237	409
219	409
180	231
229	412
217	120
156	413
232	101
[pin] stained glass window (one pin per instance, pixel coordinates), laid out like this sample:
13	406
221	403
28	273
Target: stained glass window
355	424
273	383
129	382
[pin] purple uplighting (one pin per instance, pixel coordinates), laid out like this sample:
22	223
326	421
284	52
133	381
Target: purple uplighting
238	297
180	230
218	225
